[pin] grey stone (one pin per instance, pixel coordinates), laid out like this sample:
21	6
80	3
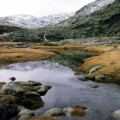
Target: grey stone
25	113
68	111
100	78
12	88
95	69
115	115
43	90
54	112
20	108
83	77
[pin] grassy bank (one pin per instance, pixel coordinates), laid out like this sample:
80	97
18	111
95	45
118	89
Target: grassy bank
8	56
78	57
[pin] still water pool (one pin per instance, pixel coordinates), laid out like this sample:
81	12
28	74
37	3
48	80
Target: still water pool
66	89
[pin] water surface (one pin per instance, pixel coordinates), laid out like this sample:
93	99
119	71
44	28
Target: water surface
66	89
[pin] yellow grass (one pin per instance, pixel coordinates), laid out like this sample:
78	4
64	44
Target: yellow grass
8	56
77	47
110	62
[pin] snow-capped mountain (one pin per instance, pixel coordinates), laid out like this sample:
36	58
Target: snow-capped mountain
92	7
86	11
29	21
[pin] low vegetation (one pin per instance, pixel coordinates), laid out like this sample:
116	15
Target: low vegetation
8	56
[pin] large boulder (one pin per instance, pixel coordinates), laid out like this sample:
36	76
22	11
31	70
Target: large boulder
25	93
12	88
54	112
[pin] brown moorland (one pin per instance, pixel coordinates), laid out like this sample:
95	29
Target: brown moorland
8	56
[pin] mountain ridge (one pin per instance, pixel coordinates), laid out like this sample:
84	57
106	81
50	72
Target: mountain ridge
86	11
29	21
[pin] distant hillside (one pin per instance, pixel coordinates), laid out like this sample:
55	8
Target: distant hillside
29	21
86	11
6	27
103	22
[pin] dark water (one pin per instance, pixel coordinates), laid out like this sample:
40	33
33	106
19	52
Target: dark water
66	89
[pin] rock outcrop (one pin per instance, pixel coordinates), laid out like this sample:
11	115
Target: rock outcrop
19	98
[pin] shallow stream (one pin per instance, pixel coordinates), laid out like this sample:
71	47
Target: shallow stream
66	89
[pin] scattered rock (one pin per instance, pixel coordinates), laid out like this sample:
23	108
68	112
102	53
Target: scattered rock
95	86
83	77
12	78
25	113
21	97
100	78
95	69
115	115
34	83
43	90
54	112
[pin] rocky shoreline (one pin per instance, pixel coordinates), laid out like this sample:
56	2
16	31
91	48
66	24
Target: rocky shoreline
18	99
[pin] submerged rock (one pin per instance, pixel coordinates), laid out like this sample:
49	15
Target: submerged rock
54	112
75	110
43	90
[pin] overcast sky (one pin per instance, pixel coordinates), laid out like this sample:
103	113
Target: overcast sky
39	7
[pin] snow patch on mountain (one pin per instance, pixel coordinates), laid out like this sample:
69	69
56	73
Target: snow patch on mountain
92	7
29	21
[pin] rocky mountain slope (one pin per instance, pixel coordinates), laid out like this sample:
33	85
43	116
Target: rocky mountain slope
101	23
86	11
28	21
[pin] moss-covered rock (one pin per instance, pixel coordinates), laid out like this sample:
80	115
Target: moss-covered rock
54	112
